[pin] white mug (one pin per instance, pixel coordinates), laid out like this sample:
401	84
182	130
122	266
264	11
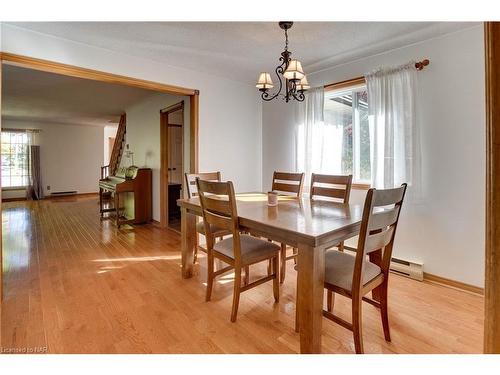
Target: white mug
272	198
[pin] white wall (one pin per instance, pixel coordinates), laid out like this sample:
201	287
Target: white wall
230	112
109	132
446	232
70	156
143	137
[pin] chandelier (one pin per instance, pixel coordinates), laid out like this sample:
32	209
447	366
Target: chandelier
290	75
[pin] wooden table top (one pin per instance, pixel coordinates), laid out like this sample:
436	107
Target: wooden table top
313	222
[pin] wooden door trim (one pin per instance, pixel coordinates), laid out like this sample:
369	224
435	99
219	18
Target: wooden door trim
164	141
96	75
492	274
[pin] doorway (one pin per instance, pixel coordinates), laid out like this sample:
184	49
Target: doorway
79	72
172	164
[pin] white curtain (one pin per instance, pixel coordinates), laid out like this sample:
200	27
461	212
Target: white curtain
311	133
395	143
34	188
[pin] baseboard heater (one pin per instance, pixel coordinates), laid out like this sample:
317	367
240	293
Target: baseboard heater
402	267
406	268
63	193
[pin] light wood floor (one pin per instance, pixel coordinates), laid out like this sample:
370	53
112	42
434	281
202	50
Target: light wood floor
77	285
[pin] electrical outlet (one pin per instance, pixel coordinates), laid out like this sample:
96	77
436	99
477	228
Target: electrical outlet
48	187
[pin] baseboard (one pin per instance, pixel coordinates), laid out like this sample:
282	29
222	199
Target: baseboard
453	283
13	199
80	195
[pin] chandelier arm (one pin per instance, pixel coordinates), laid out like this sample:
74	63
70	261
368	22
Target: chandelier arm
279	70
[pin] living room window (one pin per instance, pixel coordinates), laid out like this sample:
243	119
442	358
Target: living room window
14	154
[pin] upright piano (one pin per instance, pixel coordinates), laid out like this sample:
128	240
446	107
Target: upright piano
137	184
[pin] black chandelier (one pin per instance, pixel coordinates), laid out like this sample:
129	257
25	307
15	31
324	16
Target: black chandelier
294	78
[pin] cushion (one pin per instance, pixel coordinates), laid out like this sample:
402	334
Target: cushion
217	232
251	248
339	269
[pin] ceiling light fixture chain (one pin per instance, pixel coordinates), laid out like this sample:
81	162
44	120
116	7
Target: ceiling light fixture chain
290	75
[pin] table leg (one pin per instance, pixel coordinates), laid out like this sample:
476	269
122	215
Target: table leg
311	276
188	234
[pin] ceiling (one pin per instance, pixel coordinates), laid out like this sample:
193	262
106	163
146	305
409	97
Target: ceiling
32	95
240	50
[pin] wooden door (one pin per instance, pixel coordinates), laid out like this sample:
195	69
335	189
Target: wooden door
175	166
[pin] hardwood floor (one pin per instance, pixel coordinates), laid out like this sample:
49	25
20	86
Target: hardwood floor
75	284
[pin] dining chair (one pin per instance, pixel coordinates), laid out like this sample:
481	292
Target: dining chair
239	251
354	276
192	191
334	188
285	183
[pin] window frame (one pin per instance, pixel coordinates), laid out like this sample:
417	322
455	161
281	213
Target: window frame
347	85
17	187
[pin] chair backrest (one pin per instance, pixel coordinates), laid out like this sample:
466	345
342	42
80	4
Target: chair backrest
378	228
288	183
218	204
330	186
191	188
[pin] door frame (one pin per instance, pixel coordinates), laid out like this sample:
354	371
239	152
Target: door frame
492	256
164	160
96	75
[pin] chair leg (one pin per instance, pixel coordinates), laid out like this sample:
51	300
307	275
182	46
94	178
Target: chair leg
384	312
296	253
357	325
236	293
246	279
282	263
269	268
276	283
297	307
210	276
195	257
330	300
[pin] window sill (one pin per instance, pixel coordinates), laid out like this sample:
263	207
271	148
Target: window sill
359	186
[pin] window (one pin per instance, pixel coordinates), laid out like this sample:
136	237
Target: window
340	144
346	110
14	154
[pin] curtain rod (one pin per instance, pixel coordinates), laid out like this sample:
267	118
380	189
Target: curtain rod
419	65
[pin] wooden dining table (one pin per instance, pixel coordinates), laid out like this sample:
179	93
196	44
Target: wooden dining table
312	226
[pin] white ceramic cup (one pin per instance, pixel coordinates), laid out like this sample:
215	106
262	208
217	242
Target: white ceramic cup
272	198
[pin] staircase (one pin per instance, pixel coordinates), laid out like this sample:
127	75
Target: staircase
116	154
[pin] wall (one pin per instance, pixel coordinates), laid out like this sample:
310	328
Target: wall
65	164
446	232
230	112
143	136
109	132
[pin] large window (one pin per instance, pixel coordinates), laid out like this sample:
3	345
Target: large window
340	144
346	110
14	155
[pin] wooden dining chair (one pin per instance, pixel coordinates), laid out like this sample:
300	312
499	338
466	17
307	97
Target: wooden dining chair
192	191
239	251
291	184
331	187
354	276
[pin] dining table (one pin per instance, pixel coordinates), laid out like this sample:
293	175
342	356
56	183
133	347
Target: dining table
311	226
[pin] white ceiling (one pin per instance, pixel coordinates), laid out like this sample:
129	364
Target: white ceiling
33	95
240	50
